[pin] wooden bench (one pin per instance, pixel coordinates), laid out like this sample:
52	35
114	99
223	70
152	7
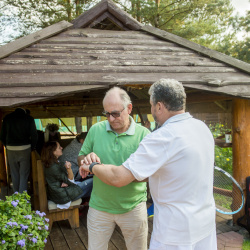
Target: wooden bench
42	204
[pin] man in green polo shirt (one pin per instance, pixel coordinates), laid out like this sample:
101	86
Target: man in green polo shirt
112	142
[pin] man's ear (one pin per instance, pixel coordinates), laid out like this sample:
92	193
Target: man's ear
160	107
130	108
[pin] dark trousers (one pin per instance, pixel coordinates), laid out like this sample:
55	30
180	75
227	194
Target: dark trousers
19	163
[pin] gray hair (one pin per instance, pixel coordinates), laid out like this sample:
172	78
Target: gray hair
170	92
125	98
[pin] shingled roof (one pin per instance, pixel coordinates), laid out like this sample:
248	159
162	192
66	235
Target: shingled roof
104	47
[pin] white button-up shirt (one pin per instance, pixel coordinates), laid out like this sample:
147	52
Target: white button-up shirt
178	158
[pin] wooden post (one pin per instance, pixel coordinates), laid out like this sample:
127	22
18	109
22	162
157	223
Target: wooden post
89	123
3	172
78	123
241	144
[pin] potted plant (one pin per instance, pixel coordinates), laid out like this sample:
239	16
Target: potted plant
20	227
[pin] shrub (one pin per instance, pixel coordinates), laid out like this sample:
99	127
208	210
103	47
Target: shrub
223	156
20	227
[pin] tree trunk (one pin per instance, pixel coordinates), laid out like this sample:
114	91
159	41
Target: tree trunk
241	144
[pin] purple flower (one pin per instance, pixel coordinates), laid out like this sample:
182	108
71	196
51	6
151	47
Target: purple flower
24	227
21	243
28	217
39	228
34	240
30	234
45	241
17	200
14	224
14	203
3	241
47	220
9	224
46	227
38	223
16	192
20	233
31	223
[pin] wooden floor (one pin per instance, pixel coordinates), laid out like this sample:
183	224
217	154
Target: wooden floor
63	237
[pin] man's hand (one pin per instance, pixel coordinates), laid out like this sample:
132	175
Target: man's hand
84	169
92	157
64	185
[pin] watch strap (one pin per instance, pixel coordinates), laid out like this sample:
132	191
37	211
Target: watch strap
92	165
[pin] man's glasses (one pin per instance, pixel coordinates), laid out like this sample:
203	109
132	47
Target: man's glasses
114	114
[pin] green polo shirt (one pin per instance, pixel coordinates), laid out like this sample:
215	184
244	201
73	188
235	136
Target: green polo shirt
113	148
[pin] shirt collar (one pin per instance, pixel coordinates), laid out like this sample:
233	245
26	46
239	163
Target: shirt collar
177	118
130	131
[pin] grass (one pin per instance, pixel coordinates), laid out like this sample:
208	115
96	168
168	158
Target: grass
246	245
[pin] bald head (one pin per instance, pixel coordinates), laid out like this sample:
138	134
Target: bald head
117	95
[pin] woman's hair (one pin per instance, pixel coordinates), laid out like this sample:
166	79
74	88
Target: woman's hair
47	155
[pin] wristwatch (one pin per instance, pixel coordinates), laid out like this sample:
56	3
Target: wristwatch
92	165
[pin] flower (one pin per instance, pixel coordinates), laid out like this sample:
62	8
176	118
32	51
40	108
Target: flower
24	227
47	220
14	203
21	243
34	240
45	241
20	227
46	227
28	217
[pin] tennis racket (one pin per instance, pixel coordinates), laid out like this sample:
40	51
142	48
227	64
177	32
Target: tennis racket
228	194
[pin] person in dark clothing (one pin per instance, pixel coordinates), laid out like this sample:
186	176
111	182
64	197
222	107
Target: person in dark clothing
18	134
62	189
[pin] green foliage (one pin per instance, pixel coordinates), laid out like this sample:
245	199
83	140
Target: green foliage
36	14
19	226
238	48
223	156
246	245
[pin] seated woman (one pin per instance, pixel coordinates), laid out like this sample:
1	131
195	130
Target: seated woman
70	153
62	189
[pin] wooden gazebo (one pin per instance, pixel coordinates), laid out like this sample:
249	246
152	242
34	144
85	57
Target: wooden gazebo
65	69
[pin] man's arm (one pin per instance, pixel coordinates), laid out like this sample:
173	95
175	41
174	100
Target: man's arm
117	176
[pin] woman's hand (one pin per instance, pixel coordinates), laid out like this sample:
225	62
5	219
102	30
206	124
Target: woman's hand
64	185
67	165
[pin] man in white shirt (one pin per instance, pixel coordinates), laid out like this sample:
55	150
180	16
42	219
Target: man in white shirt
178	158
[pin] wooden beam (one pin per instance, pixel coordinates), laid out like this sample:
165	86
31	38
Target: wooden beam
241	144
123	16
111	18
87	17
28	40
198	48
